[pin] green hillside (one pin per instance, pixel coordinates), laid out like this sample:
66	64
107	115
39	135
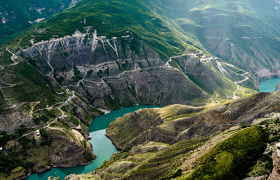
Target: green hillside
150	148
17	15
113	18
151	21
244	33
147	19
54	74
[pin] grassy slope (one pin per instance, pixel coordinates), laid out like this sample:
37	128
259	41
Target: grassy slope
146	18
234	154
232	158
224	156
32	152
133	129
112	18
169	26
150	21
228	21
18	13
28	85
155	31
251	18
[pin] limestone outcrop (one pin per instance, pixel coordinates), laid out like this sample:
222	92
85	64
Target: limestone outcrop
275	175
176	122
122	71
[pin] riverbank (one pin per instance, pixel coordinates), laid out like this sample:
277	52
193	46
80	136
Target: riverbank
102	146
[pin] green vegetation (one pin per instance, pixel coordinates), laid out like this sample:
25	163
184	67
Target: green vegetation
42	116
88	155
218	25
232	158
17	151
238	155
132	125
156	22
163	163
263	167
215	84
19	15
150	161
233	154
170	28
43	133
33	152
113	18
29	85
4	137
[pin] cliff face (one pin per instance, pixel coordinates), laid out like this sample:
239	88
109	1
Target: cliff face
277	87
276	164
201	158
56	136
213	74
106	73
52	147
12	119
189	142
123	71
113	72
244	38
175	123
69	152
259	56
23	91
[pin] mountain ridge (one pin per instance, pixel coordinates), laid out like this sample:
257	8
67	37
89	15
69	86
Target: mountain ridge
113	54
16	16
172	142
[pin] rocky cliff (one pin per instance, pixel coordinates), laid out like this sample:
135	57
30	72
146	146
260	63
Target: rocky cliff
151	148
276	164
216	155
277	87
101	72
47	148
241	33
23	91
257	57
123	71
57	138
111	73
148	57
175	123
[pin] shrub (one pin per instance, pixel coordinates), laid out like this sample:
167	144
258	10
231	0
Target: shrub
232	158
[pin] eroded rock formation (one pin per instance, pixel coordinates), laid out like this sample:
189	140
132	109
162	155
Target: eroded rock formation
276	163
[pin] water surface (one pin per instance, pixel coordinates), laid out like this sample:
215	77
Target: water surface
102	146
268	85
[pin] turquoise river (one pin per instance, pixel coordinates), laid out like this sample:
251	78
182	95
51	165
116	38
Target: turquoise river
268	85
102	146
